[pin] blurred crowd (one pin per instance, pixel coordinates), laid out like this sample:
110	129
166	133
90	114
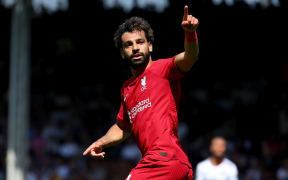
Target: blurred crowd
62	126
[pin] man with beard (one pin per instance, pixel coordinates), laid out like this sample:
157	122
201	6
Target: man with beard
217	167
150	101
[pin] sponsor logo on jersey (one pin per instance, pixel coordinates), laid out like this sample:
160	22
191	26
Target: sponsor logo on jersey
140	106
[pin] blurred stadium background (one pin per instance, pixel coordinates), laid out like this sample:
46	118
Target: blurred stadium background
238	88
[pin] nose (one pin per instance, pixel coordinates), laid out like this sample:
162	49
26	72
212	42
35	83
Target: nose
135	47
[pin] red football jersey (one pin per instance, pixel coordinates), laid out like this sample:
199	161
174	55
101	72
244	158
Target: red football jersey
149	103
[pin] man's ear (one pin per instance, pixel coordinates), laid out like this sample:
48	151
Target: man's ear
150	47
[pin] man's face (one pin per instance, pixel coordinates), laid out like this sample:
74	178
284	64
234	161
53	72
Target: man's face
136	49
218	147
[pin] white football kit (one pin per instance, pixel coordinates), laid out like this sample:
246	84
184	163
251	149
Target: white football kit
226	170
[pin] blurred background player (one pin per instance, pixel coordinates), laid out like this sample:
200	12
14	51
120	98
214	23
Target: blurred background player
150	101
217	167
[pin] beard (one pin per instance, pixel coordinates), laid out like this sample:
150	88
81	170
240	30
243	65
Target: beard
219	156
135	64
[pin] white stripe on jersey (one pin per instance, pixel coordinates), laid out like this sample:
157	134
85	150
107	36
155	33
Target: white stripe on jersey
129	176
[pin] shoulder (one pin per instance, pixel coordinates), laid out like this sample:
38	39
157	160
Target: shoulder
231	165
126	83
229	162
203	164
162	62
166	68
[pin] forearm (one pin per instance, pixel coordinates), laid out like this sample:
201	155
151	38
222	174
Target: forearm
186	59
114	135
191	47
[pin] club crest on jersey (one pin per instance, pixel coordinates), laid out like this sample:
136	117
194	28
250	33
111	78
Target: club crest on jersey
143	83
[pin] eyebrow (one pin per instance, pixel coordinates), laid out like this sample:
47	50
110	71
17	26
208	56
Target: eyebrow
136	40
140	39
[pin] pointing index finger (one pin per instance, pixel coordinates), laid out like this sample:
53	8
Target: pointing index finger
88	150
185	13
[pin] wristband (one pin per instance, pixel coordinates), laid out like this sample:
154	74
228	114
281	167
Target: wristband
191	36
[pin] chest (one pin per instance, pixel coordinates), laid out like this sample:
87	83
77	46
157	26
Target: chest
144	89
217	173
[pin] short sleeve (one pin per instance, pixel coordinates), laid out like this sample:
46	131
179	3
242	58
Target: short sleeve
199	174
169	69
122	116
234	173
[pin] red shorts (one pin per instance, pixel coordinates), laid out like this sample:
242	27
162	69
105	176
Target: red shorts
161	170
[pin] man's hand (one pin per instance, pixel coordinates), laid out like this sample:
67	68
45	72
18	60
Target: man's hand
189	23
95	150
113	136
186	59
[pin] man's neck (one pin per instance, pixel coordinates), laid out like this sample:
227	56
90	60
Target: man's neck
216	161
138	71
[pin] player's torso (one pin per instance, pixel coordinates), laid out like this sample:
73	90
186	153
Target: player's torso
148	99
151	101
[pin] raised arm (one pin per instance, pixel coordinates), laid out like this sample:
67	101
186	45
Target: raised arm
186	59
114	136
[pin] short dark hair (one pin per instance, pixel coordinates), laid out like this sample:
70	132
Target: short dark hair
133	24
